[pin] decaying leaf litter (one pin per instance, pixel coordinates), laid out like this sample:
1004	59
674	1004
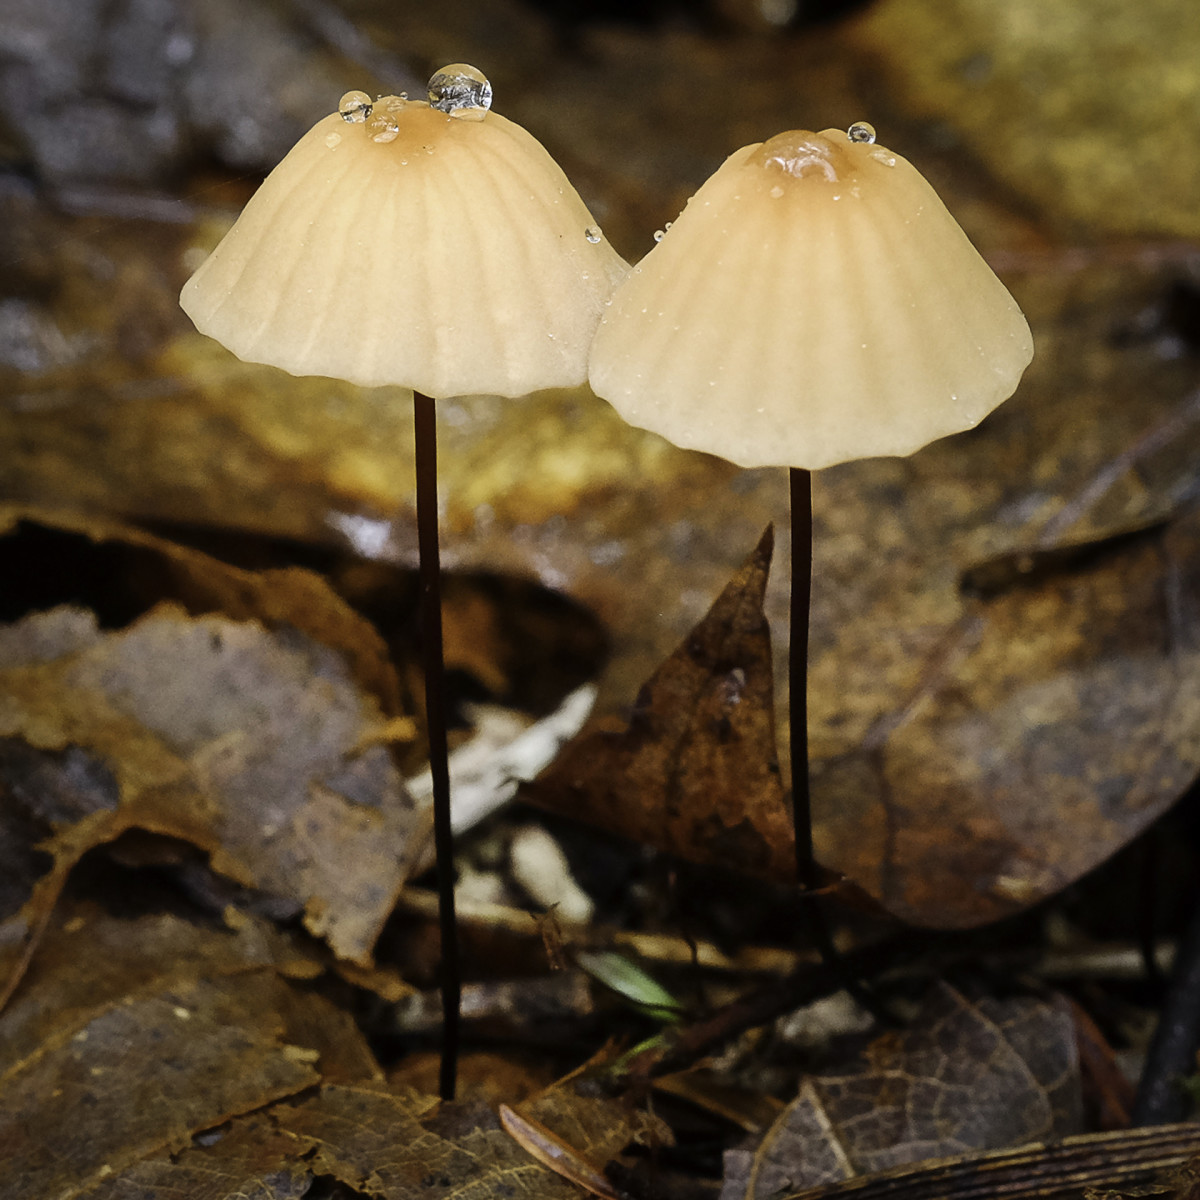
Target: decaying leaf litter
1002	633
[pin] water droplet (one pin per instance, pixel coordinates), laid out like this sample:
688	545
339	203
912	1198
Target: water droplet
776	192
383	128
462	91
332	139
861	131
668	225
592	234
658	235
394	104
355	107
882	156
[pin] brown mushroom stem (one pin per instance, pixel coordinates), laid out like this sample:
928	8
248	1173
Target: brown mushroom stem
800	481
425	430
807	874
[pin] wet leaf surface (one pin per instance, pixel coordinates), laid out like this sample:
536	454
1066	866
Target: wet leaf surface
961	1077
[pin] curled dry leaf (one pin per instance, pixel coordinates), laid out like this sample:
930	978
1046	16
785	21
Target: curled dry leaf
244	742
258	735
962	1077
695	772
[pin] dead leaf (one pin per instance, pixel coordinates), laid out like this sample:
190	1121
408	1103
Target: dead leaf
962	1077
250	1159
552	1152
695	772
244	742
56	557
145	1073
401	1145
90	961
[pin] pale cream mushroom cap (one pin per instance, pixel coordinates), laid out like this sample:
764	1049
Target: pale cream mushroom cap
814	303
453	257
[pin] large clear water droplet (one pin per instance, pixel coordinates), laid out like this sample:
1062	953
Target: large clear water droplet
592	234
462	91
861	131
355	107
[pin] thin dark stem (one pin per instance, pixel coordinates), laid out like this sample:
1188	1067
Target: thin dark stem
807	872
425	429
801	601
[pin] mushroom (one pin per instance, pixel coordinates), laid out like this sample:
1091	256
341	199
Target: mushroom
428	245
814	303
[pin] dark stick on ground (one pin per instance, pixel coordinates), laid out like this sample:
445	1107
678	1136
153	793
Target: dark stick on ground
681	1047
1171	1058
425	429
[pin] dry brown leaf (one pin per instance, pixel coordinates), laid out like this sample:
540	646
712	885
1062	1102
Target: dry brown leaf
961	1077
128	1036
398	1145
244	742
88	961
695	773
144	1074
250	1160
58	557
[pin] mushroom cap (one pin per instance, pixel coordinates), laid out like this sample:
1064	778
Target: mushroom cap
439	252
814	303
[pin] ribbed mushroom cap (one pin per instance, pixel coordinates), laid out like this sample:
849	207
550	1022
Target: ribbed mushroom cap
415	248
814	303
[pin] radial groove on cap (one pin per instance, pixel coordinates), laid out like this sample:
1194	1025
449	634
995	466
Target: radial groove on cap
814	303
452	259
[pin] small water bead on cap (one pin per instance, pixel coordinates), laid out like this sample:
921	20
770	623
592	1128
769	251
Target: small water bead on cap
461	90
861	131
355	107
